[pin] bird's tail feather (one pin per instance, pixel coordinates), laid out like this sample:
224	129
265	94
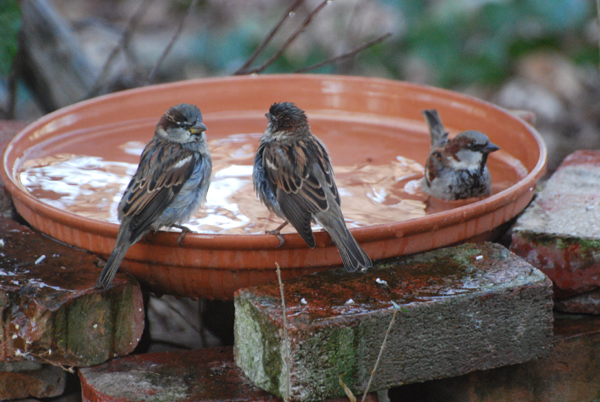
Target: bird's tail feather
112	265
353	256
436	130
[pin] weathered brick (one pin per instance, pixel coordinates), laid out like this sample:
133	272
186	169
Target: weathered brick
50	310
466	308
585	303
559	233
570	373
195	375
29	379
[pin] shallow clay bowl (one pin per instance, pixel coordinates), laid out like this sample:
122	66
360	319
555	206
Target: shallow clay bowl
384	116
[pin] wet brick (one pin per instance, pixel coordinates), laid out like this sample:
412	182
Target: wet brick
195	375
28	379
466	308
50	310
559	233
585	303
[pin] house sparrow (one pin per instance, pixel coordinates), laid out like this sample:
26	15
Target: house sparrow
456	169
170	183
293	177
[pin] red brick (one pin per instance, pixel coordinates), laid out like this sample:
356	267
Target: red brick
27	379
196	375
586	303
50	310
559	233
464	308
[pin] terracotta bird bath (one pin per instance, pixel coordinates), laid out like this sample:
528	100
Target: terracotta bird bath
66	172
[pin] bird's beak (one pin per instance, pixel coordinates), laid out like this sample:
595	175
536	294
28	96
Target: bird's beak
198	128
269	117
491	148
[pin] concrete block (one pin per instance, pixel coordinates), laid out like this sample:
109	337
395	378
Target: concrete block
570	373
196	375
50	311
29	379
466	308
559	233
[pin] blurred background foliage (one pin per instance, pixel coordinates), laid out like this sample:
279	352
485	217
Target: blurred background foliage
10	21
453	42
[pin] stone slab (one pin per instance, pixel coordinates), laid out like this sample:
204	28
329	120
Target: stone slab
559	233
50	309
570	373
39	381
466	308
196	375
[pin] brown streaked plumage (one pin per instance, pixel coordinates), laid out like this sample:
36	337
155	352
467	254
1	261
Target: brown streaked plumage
171	181
294	178
456	169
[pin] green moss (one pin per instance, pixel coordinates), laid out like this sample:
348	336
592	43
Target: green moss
258	347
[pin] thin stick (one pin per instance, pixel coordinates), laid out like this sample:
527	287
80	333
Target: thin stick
172	42
123	43
298	31
286	340
267	39
380	353
347	54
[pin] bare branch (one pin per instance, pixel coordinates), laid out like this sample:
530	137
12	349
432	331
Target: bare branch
123	43
298	31
172	42
263	44
347	54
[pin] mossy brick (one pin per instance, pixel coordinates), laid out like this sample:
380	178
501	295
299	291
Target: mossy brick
465	308
196	375
570	373
50	309
559	233
30	379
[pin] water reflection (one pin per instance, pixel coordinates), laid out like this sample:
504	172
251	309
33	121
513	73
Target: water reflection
91	186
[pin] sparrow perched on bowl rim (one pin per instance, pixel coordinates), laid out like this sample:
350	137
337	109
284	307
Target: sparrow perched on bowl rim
169	185
294	178
456	169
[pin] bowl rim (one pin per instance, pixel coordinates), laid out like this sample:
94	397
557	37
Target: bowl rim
370	233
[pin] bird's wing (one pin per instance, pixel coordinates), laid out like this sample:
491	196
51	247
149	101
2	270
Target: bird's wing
162	172
294	172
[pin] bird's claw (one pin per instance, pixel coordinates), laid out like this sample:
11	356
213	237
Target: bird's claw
279	236
184	230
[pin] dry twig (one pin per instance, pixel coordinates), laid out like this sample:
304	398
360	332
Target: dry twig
286	340
289	40
172	42
123	43
347	54
396	308
263	44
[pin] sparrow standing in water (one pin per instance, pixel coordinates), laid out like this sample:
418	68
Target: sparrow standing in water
456	169
171	182
293	177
